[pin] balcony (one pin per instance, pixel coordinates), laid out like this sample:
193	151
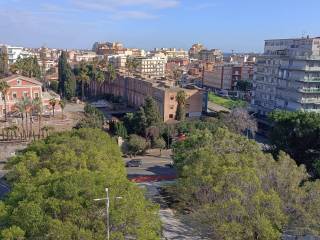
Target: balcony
312	79
309	100
309	90
301	68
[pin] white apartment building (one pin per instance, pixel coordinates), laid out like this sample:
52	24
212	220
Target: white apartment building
171	52
14	53
85	56
151	67
118	61
287	76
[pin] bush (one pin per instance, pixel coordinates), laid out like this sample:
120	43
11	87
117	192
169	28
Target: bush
137	144
118	129
94	118
54	85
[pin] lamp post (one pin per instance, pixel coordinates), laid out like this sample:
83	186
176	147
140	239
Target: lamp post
107	199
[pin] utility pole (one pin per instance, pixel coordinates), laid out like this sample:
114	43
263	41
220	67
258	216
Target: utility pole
107	199
108	205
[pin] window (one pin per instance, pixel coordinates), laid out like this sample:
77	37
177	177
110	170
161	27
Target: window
171	106
36	95
18	82
25	94
14	95
170	116
171	97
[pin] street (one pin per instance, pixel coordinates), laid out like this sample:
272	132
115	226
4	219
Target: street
173	227
152	165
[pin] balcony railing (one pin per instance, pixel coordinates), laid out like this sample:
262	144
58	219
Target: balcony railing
312	79
310	100
309	90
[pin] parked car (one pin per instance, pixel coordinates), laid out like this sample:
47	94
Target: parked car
170	165
134	163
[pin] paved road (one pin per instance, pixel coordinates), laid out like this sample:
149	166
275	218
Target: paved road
4	188
152	165
172	226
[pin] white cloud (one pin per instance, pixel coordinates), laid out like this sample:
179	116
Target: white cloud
132	15
118	4
126	9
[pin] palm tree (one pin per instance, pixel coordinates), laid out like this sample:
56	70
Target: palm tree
22	107
83	78
112	73
4	88
99	78
26	104
53	103
62	104
38	107
47	129
131	65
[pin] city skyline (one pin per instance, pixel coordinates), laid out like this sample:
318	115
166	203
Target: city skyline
154	23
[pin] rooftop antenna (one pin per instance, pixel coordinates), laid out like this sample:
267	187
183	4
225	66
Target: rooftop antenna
303	33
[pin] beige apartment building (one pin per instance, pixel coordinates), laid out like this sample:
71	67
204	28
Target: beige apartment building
213	55
226	76
195	50
118	61
135	90
171	53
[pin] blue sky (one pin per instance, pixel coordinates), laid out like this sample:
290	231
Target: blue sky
239	25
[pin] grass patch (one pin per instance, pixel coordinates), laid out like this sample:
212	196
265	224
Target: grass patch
227	102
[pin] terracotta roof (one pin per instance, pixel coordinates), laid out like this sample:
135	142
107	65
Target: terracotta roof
12	77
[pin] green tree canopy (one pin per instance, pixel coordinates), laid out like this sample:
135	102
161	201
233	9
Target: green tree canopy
152	113
27	67
67	80
235	191
93	118
4	66
181	109
53	184
297	133
136	144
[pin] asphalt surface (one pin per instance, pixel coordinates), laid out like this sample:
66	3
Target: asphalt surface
4	188
152	165
173	227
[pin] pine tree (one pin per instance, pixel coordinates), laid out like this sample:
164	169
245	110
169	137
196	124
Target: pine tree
181	111
152	112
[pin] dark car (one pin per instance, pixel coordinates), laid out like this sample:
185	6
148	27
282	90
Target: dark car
134	163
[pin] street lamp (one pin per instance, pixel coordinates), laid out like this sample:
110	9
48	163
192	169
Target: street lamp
107	199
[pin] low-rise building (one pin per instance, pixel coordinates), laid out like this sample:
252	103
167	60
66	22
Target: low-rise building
21	87
135	90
